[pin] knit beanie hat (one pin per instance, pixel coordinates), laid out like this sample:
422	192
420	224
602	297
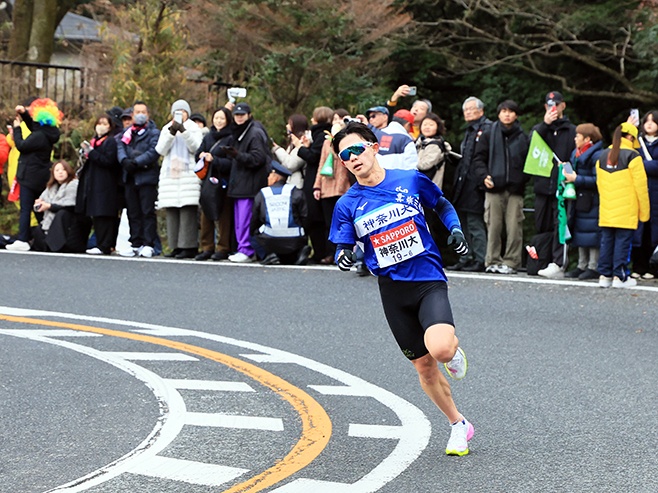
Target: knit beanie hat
181	104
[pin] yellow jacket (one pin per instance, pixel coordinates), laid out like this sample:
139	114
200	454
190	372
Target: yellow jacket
623	189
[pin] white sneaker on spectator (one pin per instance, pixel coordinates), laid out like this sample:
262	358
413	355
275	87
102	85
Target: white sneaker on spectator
94	251
647	276
240	258
18	246
146	251
129	252
553	271
605	282
506	269
492	269
628	283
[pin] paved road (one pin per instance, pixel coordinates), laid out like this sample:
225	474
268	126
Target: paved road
98	377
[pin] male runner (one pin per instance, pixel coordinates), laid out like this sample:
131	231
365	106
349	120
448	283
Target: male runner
383	212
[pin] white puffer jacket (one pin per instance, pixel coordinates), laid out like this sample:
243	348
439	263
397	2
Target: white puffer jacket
178	186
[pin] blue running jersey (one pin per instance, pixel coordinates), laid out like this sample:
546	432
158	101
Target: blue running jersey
387	220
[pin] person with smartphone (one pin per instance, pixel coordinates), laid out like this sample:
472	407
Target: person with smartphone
36	131
178	186
584	212
419	108
559	133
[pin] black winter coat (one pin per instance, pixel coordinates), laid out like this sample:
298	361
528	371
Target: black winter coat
505	165
36	150
249	169
584	212
559	136
467	196
220	167
100	178
142	150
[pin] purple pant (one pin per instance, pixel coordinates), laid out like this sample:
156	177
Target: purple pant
242	216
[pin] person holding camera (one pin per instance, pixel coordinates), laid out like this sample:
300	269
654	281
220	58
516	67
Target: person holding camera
59	231
296	128
560	134
42	118
384	212
179	186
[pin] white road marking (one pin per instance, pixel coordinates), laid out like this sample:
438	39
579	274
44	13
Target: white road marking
213	385
139	356
339	390
416	427
166	429
54	332
217	420
375	431
270	358
187	471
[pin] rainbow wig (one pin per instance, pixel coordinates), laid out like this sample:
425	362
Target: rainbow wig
45	112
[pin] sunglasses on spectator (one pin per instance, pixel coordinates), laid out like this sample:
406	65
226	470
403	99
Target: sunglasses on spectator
356	149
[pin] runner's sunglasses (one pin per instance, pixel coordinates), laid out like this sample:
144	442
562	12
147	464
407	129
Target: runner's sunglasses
356	149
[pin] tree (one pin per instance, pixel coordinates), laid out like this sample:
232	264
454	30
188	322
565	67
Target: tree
33	32
296	54
603	50
149	43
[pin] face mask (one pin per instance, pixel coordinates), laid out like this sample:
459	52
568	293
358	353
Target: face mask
102	130
140	119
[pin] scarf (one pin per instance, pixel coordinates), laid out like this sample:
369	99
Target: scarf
584	148
132	130
97	141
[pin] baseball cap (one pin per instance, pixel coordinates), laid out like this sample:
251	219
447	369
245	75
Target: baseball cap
555	96
127	113
242	109
405	115
377	109
280	169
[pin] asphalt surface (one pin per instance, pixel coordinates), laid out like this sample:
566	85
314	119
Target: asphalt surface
562	383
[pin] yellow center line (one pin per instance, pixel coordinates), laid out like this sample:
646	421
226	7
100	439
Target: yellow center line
316	424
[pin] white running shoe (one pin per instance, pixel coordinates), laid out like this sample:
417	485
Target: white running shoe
461	433
146	252
553	271
240	258
129	252
458	365
628	283
492	269
18	246
605	282
94	251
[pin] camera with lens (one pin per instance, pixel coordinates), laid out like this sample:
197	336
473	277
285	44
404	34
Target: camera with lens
37	207
347	120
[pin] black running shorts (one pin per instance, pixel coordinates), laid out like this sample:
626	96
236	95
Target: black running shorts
411	308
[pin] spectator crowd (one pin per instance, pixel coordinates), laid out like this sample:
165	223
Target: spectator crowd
231	193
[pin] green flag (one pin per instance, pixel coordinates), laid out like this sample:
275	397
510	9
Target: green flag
540	157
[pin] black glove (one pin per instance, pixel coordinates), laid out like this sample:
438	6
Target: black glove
176	127
230	151
458	243
129	165
346	259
